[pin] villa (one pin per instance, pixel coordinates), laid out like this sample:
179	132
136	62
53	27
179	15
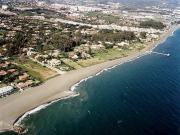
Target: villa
23	77
6	90
2	73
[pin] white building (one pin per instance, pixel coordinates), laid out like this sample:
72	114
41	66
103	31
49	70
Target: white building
6	90
76	8
38	17
54	62
4	7
41	3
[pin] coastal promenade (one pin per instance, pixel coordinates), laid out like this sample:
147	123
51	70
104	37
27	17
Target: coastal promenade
14	106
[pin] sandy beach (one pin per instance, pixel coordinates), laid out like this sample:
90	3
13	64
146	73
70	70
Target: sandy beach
14	106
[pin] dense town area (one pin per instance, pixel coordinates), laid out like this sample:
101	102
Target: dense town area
39	41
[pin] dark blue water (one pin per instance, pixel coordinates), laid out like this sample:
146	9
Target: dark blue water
141	97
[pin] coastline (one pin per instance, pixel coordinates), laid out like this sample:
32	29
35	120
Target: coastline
57	88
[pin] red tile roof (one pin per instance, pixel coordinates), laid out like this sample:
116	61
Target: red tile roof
2	73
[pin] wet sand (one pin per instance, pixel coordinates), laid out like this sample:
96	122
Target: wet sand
14	106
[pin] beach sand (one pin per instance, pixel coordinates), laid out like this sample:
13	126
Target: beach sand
14	106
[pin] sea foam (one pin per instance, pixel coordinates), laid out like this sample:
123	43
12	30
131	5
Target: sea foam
37	109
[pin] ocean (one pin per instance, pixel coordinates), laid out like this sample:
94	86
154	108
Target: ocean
141	97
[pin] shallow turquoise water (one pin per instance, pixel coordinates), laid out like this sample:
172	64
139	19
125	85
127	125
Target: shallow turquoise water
141	97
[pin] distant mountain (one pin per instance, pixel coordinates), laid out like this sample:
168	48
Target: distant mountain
130	3
141	3
133	3
6	1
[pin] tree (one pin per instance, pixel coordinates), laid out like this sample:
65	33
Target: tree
143	35
18	43
152	24
111	36
39	46
62	42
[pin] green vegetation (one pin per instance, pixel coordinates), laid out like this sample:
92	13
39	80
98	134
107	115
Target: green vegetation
108	18
39	11
143	35
18	43
9	77
62	42
71	63
113	36
65	46
152	24
108	54
11	73
2	36
34	69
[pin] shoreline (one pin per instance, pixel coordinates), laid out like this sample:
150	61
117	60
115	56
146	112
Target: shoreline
50	92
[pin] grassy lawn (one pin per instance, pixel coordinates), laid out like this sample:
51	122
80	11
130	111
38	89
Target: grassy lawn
71	63
35	69
89	62
106	17
100	57
112	54
140	46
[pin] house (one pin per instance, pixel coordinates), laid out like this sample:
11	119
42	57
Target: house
4	7
6	90
11	70
122	44
3	65
21	85
56	53
154	36
24	77
53	62
3	73
26	84
73	56
97	47
29	82
29	53
85	55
